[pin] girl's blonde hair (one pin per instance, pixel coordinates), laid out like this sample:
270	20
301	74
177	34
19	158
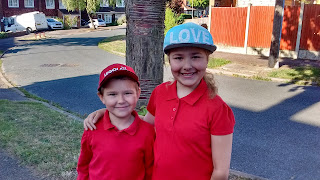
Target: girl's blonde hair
211	84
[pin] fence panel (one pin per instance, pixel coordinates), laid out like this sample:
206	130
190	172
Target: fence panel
260	26
228	25
310	33
290	28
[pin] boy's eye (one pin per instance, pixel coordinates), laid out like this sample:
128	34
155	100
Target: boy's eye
111	94
177	58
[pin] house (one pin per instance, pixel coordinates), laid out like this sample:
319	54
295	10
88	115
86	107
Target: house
111	13
51	8
189	9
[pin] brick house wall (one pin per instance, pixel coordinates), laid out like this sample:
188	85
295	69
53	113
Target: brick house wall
39	5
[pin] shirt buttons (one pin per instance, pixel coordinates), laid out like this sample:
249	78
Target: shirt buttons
174	109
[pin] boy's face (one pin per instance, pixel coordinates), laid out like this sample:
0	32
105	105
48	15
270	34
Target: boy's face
120	97
188	65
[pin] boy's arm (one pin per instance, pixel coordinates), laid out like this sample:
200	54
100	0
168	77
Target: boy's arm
84	158
93	118
149	156
221	147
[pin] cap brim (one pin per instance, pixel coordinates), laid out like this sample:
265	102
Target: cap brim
119	73
210	48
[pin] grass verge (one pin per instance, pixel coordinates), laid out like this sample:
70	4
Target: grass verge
41	138
299	75
115	45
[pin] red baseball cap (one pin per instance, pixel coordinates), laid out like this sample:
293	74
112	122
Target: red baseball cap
117	70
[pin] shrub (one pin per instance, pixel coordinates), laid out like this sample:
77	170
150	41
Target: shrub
122	19
3	35
68	22
170	20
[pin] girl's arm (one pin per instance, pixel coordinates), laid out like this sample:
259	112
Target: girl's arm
221	147
93	117
149	118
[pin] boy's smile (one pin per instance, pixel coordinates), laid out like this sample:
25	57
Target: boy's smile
188	65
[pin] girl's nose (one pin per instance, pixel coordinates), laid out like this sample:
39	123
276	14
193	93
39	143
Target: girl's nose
187	64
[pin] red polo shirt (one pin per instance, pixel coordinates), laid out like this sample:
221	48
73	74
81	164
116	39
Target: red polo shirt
184	128
110	154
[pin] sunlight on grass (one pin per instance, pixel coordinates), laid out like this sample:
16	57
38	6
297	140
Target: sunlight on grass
115	45
217	62
41	138
296	75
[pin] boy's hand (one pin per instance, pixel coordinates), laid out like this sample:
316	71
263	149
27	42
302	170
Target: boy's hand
92	118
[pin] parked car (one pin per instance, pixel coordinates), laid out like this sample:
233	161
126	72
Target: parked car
54	24
97	22
84	22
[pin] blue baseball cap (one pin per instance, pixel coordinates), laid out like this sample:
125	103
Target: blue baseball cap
188	35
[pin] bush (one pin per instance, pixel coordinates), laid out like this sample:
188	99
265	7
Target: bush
3	35
68	22
170	20
184	16
122	19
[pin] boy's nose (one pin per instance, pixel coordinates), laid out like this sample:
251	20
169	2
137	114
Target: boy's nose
121	99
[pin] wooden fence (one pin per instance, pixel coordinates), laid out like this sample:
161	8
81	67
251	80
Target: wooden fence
228	27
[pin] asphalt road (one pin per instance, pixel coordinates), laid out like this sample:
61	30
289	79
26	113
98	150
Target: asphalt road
278	125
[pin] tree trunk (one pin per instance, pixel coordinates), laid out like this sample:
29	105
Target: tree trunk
91	21
276	34
144	43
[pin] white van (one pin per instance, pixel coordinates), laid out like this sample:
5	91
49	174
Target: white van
29	22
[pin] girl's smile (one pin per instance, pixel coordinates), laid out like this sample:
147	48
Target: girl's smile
188	65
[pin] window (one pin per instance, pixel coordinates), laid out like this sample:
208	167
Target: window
104	3
13	3
29	3
50	4
61	6
120	3
108	18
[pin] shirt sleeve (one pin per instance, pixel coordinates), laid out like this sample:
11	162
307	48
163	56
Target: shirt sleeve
84	158
152	102
222	122
149	157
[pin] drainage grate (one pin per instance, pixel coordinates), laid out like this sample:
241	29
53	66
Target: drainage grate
49	65
59	65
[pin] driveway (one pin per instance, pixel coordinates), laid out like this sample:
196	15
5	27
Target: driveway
277	130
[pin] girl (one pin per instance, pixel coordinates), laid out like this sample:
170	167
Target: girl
194	125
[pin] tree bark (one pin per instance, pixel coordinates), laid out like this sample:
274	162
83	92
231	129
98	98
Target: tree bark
144	43
276	34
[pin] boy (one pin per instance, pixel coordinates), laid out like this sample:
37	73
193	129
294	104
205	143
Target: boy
122	146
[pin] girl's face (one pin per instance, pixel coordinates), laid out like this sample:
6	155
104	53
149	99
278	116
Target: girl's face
188	65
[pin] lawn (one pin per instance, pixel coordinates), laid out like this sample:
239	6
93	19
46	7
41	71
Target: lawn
41	138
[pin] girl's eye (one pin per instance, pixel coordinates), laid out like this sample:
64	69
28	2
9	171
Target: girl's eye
195	57
128	93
